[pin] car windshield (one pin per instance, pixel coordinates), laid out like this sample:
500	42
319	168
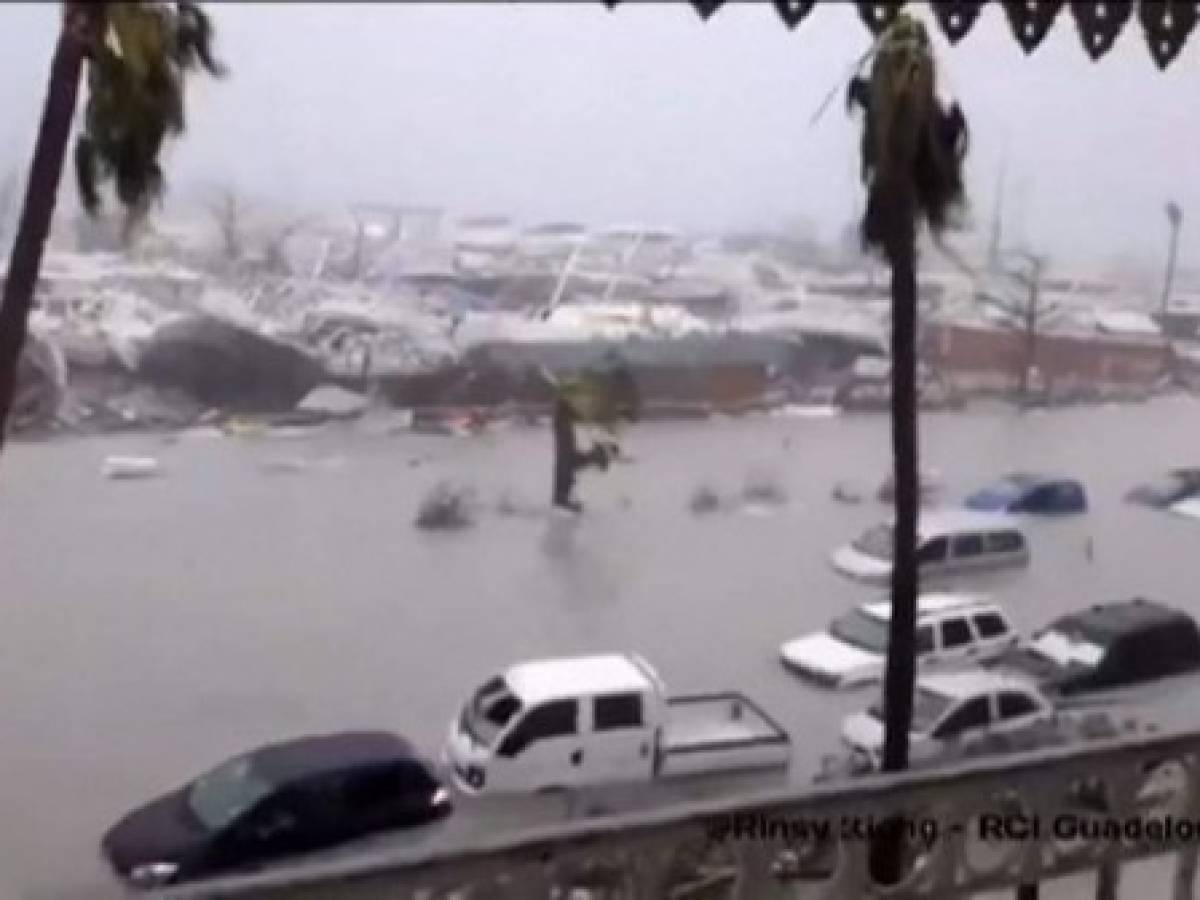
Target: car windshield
229	790
928	709
861	630
877	542
997	496
1067	649
492	707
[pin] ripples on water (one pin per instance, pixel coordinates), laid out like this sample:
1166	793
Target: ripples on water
264	588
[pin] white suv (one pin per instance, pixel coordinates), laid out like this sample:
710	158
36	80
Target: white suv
951	629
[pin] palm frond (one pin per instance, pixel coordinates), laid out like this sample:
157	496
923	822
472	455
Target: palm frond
138	62
909	140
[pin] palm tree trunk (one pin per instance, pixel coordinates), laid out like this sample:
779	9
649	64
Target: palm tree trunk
33	227
888	852
901	656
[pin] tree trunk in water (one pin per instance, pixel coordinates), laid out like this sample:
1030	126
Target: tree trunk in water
566	455
1171	252
33	227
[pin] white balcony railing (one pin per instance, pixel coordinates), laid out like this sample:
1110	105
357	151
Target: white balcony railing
765	847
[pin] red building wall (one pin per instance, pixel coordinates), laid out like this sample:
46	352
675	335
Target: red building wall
995	354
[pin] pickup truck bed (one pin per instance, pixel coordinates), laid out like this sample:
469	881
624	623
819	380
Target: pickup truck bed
719	733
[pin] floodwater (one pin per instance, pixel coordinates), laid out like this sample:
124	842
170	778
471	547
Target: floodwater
262	588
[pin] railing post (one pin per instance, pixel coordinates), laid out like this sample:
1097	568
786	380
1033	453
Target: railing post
1185	873
1108	879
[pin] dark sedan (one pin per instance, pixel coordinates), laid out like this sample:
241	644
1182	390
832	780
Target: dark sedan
1022	493
280	799
1099	653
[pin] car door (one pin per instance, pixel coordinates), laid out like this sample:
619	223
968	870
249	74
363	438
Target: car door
967	553
932	557
620	747
275	827
544	748
994	632
958	644
1005	548
968	721
926	646
385	796
1016	710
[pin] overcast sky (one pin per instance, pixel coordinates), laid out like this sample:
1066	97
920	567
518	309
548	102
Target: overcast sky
647	114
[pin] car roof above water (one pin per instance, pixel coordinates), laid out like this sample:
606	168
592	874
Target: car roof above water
577	676
962	684
317	754
939	522
929	605
1103	623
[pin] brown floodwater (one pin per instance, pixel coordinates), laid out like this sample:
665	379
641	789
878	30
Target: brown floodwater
268	587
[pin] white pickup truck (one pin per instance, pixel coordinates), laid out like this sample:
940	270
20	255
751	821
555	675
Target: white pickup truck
579	721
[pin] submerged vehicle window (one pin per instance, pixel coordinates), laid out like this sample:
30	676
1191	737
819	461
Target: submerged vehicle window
878	542
928	709
489	711
1165	490
226	792
997	496
860	630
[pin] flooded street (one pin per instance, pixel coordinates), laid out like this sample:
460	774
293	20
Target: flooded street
155	627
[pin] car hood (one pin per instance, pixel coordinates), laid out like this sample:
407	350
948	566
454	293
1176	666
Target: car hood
824	654
164	830
863	730
1047	673
850	562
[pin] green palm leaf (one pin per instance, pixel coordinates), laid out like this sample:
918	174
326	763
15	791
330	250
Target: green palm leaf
138	60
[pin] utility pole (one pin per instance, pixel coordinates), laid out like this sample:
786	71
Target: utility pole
1175	221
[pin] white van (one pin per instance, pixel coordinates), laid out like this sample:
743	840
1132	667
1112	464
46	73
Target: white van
561	723
949	542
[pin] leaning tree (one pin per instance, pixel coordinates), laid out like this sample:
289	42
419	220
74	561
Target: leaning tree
136	56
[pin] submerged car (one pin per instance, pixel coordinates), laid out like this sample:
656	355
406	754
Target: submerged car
950	708
1174	487
949	542
1086	655
284	798
1025	494
951	629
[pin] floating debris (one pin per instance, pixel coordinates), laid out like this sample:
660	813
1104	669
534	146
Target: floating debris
510	506
127	467
291	464
930	485
762	489
333	401
844	492
805	411
446	508
704	500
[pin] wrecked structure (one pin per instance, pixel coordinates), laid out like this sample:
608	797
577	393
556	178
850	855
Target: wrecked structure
413	308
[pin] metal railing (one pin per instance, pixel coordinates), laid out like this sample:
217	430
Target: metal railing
1060	811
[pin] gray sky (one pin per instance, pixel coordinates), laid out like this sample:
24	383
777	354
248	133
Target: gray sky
646	114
